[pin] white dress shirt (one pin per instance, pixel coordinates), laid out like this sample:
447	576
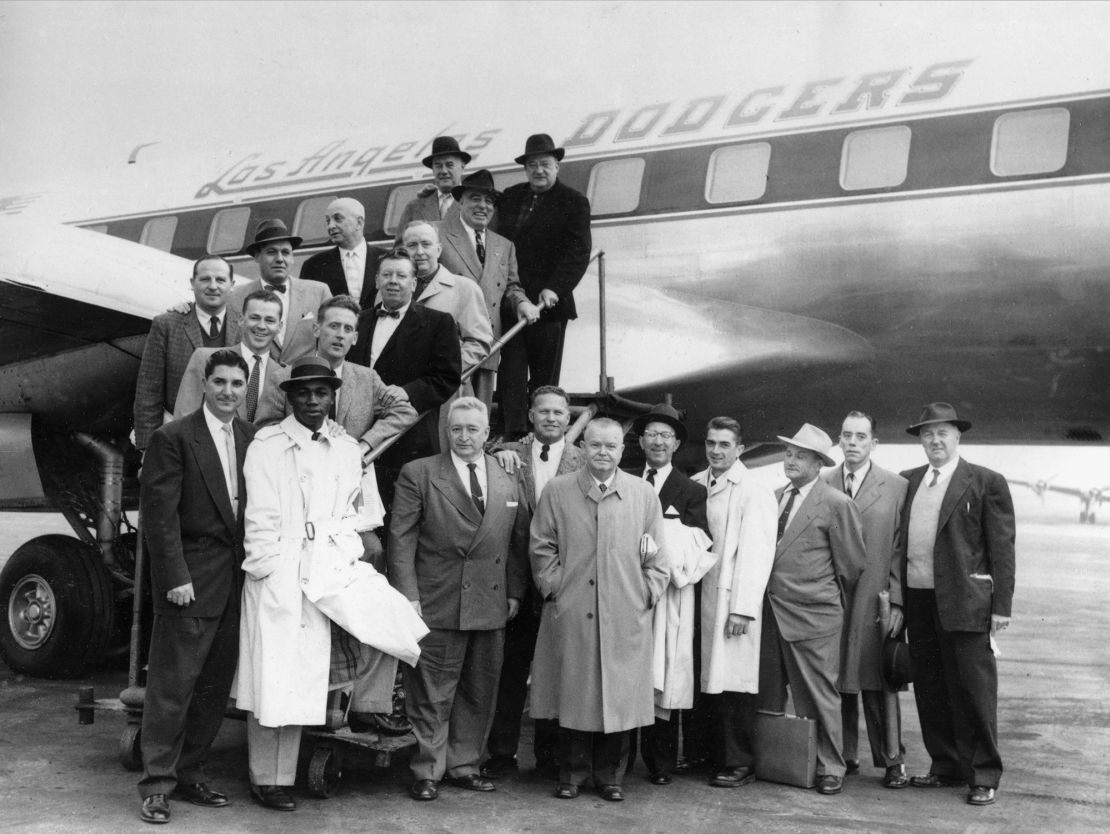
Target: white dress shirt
445	203
354	268
857	477
463	468
205	319
803	492
473	240
227	456
384	329
661	474
544	470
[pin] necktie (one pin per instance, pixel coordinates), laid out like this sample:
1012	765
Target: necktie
712	483
849	484
444	204
316	435
276	288
936	474
252	387
785	516
232	480
479	247
384	313
476	488
602	487
544	450
526	209
651	476
214	327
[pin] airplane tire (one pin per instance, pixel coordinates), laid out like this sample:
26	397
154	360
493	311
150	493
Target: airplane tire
58	605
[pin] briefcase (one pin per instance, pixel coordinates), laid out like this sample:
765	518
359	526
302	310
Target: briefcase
786	749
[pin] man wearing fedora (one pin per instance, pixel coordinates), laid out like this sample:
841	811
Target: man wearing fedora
472	249
879	495
448	163
272	249
348	269
549	222
818	561
955	562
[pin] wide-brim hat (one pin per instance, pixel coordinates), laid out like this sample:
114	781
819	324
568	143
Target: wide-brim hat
897	665
269	230
661	413
445	146
310	369
812	438
537	144
937	413
478	181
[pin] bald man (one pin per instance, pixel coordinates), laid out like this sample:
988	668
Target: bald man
348	269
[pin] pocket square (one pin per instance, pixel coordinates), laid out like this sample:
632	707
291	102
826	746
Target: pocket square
512	503
671	512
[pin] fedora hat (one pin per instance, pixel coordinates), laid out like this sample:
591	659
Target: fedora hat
897	664
937	413
661	413
445	146
478	181
812	438
540	143
308	369
271	230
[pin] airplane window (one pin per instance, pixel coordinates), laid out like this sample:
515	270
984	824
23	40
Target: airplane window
614	186
737	173
503	179
875	158
399	197
228	230
158	232
309	223
1030	142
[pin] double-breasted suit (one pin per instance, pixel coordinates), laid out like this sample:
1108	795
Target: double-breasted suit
300	302
194	535
271	399
327	268
462	565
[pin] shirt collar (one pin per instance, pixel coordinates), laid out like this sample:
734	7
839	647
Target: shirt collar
463	464
400	310
300	433
359	248
860	473
215	424
249	354
948	468
204	318
661	473
554	450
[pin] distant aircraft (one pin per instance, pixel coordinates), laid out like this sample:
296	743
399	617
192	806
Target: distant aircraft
1090	498
875	238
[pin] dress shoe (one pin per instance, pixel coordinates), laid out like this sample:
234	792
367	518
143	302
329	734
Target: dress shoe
275	797
981	795
829	785
200	794
155	809
852	767
733	777
471	782
373	722
660	778
895	777
498	767
611	793
933	780
566	791
424	789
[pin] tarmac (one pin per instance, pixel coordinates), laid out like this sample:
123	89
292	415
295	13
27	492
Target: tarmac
1054	728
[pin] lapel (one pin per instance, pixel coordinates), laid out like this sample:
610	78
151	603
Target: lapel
192	330
498	491
242	440
669	489
809	510
446	481
871	489
961	480
532	215
404	334
459	240
435	286
349	391
208	461
528	475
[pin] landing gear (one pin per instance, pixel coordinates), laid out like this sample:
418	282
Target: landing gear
60	608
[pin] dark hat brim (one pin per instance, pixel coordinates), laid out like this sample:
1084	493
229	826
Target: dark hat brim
642	421
253	248
558	153
458	190
289	384
915	430
430	158
897	664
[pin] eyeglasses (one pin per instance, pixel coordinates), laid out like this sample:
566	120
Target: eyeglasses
655	435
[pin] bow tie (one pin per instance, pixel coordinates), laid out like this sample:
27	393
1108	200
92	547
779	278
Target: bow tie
384	313
281	288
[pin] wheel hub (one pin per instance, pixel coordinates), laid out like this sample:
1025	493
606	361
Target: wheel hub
31	611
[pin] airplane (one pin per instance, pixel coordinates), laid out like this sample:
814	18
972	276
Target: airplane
781	253
1090	498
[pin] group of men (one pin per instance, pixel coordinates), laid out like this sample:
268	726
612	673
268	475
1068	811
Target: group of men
531	570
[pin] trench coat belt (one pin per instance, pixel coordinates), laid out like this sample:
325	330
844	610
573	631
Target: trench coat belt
321	528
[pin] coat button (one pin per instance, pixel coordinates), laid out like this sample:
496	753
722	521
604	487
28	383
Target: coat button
497	561
590	616
591	582
495	587
466	586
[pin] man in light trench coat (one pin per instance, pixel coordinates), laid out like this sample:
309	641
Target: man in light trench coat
599	564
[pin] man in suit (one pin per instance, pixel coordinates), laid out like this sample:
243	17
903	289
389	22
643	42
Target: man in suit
549	223
348	269
741	517
414	348
879	495
192	502
533	463
272	250
472	249
955	562
818	561
448	163
172	339
661	433
264	401
458	550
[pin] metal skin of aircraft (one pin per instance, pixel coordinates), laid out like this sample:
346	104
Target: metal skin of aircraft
1090	498
782	254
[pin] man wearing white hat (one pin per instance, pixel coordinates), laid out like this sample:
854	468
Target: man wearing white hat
818	560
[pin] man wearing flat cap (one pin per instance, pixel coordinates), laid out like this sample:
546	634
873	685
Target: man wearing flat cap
303	571
272	249
471	249
818	561
448	163
550	224
955	561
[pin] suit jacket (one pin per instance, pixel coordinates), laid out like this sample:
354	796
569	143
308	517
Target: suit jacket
497	277
172	339
685	496
327	268
818	562
423	208
422	357
361	412
462	565
552	245
271	399
571	460
301	299
879	499
191	532
975	535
